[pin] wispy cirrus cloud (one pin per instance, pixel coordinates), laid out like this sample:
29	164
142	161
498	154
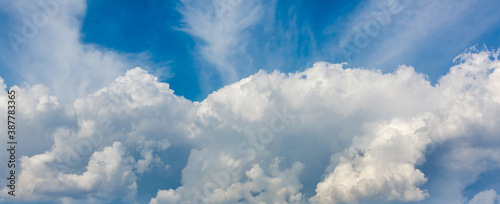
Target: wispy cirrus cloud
222	29
384	34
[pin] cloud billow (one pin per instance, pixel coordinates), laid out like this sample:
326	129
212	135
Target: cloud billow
261	139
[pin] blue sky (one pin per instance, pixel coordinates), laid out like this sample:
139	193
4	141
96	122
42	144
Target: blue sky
288	36
379	101
312	29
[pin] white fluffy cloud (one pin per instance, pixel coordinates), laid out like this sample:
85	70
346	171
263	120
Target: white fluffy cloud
94	147
345	134
252	187
485	197
108	175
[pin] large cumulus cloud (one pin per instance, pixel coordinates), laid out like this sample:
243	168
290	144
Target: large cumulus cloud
329	134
